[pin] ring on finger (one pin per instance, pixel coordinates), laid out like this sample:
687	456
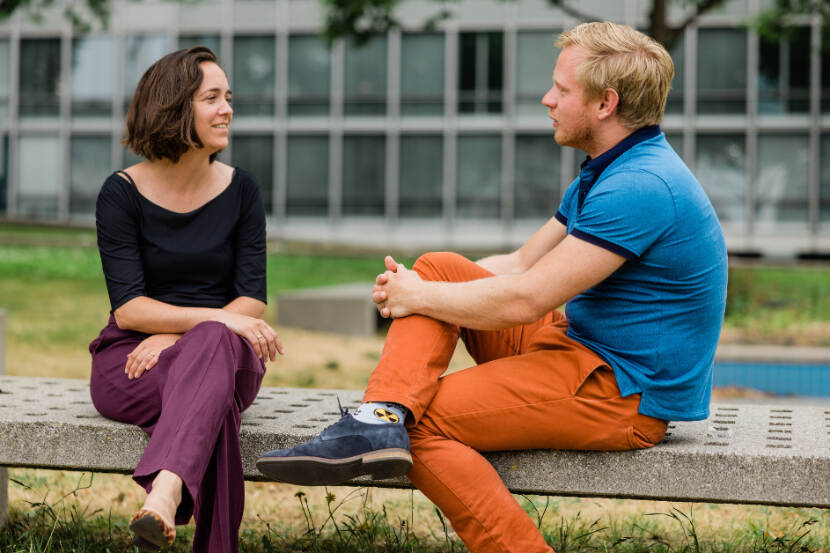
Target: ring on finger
259	336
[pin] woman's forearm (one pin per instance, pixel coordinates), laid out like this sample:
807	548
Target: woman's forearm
151	316
247	306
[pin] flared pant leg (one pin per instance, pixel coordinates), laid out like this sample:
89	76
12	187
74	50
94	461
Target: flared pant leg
190	403
533	388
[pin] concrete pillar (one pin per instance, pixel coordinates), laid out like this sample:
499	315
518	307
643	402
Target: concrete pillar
4	474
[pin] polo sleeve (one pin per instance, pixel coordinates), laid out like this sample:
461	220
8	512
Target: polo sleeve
251	259
626	213
563	213
117	225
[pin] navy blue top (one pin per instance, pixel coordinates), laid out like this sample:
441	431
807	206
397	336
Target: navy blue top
657	319
203	258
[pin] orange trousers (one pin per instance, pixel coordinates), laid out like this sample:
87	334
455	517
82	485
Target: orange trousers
533	388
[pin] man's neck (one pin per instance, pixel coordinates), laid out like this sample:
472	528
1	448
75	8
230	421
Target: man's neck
609	137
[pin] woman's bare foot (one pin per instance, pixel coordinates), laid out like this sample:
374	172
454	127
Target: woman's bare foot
154	524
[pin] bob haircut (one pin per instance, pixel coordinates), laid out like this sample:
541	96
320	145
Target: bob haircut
160	118
626	60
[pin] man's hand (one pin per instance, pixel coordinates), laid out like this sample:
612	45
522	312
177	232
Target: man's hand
146	354
396	290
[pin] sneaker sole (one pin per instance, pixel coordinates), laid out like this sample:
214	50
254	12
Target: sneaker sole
318	471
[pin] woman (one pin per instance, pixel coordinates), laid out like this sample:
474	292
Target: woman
182	243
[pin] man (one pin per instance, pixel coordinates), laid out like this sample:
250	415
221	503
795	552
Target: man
636	251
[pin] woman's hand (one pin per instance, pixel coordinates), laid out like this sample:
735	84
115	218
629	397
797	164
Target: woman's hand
259	334
146	354
396	291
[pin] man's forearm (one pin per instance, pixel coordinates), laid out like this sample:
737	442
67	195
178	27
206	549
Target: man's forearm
484	304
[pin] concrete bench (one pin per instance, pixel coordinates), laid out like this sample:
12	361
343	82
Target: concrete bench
744	453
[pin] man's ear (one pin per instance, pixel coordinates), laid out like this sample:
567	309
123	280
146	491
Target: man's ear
608	104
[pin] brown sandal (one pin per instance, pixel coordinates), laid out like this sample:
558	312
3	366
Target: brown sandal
151	531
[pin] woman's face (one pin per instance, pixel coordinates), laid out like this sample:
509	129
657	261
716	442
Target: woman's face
212	111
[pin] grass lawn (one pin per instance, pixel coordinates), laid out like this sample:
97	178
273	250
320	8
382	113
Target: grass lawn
55	303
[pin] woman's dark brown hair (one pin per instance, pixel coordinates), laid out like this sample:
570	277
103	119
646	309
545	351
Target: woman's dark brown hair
160	119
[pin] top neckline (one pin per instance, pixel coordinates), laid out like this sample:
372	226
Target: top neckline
129	179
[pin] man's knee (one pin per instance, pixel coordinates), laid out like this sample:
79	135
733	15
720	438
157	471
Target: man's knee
432	265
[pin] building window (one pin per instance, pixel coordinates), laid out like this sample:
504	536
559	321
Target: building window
720	166
255	154
364	174
211	41
5	80
4	171
365	78
93	76
253	82
422	74
421	175
824	190
674	103
141	52
40	68
90	164
825	70
39	163
721	71
784	74
478	187
537	187
307	175
676	141
535	59
309	76
480	72
782	180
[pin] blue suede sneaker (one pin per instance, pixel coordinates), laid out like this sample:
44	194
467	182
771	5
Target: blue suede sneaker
347	449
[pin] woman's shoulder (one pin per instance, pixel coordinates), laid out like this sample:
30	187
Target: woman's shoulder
117	185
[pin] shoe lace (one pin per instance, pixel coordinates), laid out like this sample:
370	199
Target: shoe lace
343	411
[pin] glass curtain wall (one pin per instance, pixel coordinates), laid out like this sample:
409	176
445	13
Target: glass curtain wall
422	74
720	166
781	190
91	164
421	178
478	188
538	176
364	175
254	69
307	175
93	76
784	74
39	163
40	73
721	71
365	77
535	60
309	76
255	154
141	51
481	72
5	80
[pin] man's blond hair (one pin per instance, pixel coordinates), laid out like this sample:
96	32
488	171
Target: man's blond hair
633	64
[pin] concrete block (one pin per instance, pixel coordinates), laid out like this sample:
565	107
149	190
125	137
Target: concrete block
765	454
344	309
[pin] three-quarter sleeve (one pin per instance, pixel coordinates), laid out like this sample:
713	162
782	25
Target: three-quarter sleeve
117	224
250	256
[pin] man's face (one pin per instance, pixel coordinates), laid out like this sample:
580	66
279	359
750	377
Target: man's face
566	102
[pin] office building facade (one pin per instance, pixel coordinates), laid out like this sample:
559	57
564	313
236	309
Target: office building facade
418	139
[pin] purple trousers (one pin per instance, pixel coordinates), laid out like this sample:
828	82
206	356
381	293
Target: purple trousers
190	404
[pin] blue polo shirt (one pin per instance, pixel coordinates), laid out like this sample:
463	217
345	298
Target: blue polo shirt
657	319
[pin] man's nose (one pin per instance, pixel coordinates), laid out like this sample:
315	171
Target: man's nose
549	99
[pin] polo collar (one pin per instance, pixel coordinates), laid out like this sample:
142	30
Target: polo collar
591	169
